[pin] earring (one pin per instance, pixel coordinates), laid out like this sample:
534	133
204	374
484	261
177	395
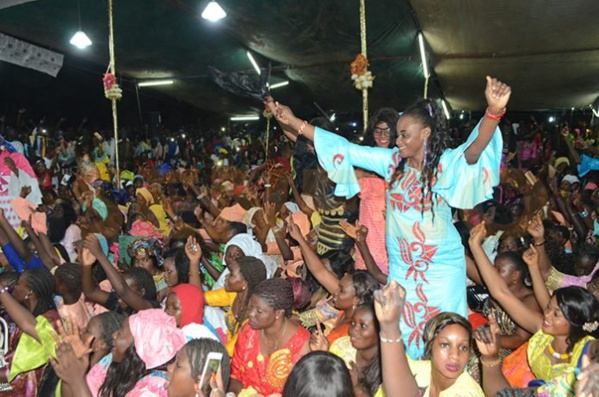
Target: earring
425	153
27	296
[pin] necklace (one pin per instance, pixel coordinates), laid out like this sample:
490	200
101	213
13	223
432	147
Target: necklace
276	342
559	356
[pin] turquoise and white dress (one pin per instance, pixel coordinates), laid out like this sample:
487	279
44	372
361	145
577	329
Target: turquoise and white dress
426	256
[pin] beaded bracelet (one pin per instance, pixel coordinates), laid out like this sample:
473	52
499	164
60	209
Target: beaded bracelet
385	340
3	290
494	116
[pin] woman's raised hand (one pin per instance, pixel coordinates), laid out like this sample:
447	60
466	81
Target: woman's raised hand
193	249
282	113
318	342
487	339
531	256
389	303
497	94
477	234
294	231
72	336
67	365
535	228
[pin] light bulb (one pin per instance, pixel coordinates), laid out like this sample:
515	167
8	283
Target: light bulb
80	40
213	12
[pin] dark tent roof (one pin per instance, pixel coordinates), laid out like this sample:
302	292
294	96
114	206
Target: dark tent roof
546	49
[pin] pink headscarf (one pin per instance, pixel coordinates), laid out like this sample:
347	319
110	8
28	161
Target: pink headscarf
233	214
156	336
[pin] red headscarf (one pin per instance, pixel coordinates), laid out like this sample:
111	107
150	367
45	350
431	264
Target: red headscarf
192	303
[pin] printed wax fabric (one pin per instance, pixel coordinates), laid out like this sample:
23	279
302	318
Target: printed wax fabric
425	254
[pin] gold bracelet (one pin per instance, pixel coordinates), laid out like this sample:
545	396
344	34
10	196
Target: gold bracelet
492	363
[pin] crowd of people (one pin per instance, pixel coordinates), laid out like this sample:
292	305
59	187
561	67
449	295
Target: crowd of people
421	260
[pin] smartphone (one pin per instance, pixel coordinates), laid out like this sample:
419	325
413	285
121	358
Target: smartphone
211	367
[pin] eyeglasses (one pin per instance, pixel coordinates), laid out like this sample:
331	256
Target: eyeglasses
382	131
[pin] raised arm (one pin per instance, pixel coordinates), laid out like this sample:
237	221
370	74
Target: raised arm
498	95
531	258
323	275
358	233
22	317
194	254
537	232
117	281
270	218
398	379
88	284
526	318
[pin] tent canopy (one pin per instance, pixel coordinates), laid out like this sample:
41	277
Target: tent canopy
546	49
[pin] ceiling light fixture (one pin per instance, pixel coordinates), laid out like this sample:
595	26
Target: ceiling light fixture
278	85
423	55
445	109
80	39
213	12
245	118
151	83
254	63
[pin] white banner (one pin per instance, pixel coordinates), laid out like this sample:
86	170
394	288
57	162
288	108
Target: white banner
10	3
30	56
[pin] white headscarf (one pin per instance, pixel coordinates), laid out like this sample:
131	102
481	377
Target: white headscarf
248	245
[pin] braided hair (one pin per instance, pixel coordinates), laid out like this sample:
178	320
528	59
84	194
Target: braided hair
111	322
197	351
428	113
42	283
277	293
143	279
254	272
69	274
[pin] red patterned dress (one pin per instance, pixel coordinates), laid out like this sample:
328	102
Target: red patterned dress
266	375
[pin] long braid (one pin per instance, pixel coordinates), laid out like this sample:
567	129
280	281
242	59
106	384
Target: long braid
428	113
254	272
42	283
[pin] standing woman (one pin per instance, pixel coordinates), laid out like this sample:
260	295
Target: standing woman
380	133
425	178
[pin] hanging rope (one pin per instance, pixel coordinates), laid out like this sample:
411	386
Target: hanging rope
113	92
425	95
266	151
364	53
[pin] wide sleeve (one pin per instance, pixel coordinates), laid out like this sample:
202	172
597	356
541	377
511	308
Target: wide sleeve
587	164
31	354
240	354
465	185
338	157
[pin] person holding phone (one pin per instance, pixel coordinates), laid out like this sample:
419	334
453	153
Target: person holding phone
201	365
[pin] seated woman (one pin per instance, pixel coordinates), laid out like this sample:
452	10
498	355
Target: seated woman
185	303
360	350
32	309
184	375
560	333
245	275
447	339
137	364
353	289
319	374
513	270
269	344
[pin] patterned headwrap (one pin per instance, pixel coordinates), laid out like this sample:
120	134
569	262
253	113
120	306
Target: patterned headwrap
151	247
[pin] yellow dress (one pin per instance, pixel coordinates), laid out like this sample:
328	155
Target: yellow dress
343	349
562	373
223	298
464	386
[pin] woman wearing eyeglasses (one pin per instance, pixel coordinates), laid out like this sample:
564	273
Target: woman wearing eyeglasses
380	133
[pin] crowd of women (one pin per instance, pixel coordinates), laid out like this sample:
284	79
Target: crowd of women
422	261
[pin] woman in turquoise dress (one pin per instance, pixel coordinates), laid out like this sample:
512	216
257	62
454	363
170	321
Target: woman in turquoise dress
425	251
